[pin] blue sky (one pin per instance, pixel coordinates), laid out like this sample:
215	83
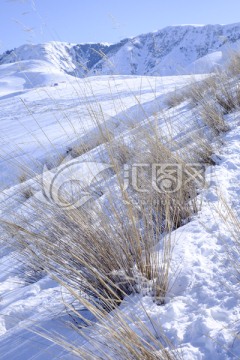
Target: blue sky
35	21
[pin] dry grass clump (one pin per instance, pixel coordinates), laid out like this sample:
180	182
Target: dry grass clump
196	91
104	255
100	262
233	66
202	150
53	161
231	221
27	191
80	148
92	272
175	98
174	176
119	152
228	217
215	97
22	177
31	274
213	116
225	91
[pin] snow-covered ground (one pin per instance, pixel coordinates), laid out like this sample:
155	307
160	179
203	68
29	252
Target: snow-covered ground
47	118
43	112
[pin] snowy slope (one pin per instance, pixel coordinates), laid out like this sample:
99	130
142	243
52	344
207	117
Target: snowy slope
19	76
30	103
171	51
201	314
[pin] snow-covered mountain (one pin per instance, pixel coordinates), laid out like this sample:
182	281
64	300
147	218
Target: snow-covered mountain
74	59
170	51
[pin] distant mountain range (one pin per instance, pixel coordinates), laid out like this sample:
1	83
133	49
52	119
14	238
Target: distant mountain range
171	51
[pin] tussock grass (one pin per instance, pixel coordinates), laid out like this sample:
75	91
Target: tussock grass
26	188
228	216
175	98
32	274
53	161
198	91
108	259
79	149
27	192
233	66
100	262
216	96
231	221
213	117
119	152
213	99
22	177
83	147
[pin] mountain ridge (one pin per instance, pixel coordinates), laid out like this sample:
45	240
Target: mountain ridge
173	50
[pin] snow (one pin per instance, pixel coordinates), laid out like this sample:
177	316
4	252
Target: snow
206	63
62	110
22	75
40	120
